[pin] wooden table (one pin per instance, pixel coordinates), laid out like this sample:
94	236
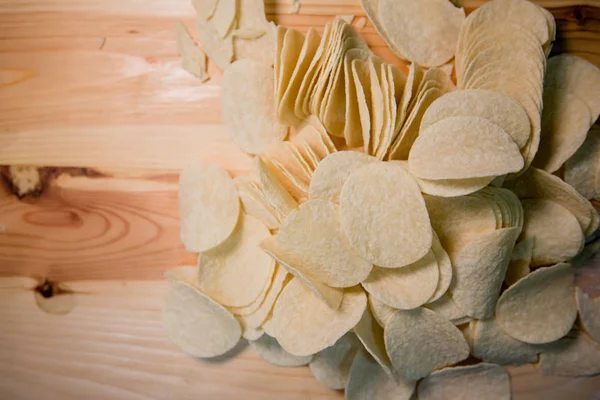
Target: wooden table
92	93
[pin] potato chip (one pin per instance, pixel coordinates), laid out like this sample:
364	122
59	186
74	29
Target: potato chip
368	381
445	268
362	85
380	311
574	355
186	273
565	122
589	313
493	106
412	342
491	344
193	59
208	205
251	334
425	31
399	199
251	15
255	203
520	261
331	296
479	272
288	57
196	324
223	18
312	239
353	126
242	312
223	268
370	334
205	8
407	287
331	366
539	308
555	231
471	382
486	150
581	169
218	49
275	193
453	187
332	172
269	350
248	102
448	309
305	325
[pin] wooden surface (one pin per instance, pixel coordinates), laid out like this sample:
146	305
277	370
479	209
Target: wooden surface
92	93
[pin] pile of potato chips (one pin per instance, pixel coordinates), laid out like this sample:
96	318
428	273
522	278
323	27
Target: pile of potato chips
398	223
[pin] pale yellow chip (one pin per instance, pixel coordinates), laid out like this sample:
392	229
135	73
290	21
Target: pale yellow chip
275	193
331	366
370	229
257	318
370	334
445	268
491	344
248	101
448	309
556	234
353	125
407	287
453	187
193	59
380	311
539	308
368	381
581	170
218	49
412	340
223	18
255	202
242	312
575	355
312	239
303	324
479	272
486	150
472	382
236	272
589	313
186	273
520	261
269	350
493	106
196	324
425	31
251	15
205	8
208	205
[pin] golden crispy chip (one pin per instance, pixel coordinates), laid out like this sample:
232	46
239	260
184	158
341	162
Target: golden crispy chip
448	309
312	239
332	172
331	366
193	58
425	31
407	287
269	350
380	311
491	344
539	308
412	340
255	202
520	261
370	334
196	324
445	268
208	205
556	234
574	355
331	296
493	106
392	188
236	272
305	325
368	381
486	150
479	272
472	382
248	102
589	313
275	193
218	49
581	169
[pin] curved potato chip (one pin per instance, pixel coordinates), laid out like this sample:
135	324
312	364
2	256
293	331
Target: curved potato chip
556	234
571	356
398	199
332	172
581	169
471	382
312	239
368	381
380	311
186	274
236	272
248	100
370	334
520	261
331	366
305	325
218	49
479	272
193	59
249	333
208	205
255	202
407	287
448	309
196	324
589	313
205	8
269	350
453	187
445	267
425	31
223	18
412	340
493	106
539	308
485	150
491	344
281	200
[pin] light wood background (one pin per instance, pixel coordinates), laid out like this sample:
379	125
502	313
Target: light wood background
91	93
